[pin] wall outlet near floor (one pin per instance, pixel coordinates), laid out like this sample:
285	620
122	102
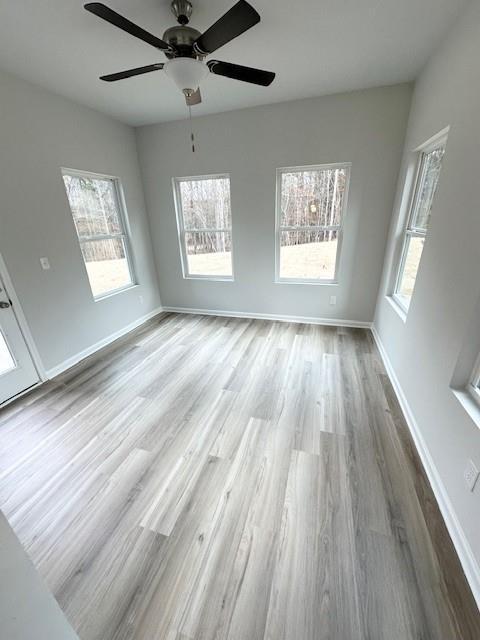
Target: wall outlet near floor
45	263
333	300
471	475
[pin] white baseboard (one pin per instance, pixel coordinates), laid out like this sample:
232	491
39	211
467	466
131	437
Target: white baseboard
462	546
335	322
81	355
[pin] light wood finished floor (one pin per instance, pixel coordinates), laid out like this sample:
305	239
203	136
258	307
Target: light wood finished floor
212	478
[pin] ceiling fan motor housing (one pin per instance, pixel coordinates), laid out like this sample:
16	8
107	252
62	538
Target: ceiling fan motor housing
181	38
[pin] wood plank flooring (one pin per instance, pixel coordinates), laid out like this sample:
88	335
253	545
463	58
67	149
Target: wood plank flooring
218	478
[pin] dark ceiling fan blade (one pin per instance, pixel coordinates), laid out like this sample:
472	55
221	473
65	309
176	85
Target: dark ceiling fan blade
237	20
102	11
194	99
237	72
132	72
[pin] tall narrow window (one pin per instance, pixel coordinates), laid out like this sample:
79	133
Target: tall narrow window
310	210
428	172
204	220
474	385
98	215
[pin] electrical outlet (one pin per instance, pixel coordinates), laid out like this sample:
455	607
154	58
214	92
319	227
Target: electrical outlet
45	264
333	300
471	475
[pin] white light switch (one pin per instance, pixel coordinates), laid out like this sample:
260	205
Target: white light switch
45	263
333	300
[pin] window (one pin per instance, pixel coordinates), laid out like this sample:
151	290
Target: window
474	386
204	221
95	203
311	203
428	172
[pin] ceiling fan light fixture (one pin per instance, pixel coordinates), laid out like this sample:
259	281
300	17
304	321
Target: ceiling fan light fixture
187	73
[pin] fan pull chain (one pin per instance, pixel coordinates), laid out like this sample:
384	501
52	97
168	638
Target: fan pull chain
192	137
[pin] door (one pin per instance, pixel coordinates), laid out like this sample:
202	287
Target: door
17	371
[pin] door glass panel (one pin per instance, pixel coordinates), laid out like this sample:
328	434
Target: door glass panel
7	363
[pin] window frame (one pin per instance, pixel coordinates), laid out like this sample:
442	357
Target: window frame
409	230
339	228
124	223
181	231
473	386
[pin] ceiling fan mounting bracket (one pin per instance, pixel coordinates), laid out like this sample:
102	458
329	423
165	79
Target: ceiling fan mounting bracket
182	10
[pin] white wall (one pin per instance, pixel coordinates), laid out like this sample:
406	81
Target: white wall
40	133
365	127
442	324
27	608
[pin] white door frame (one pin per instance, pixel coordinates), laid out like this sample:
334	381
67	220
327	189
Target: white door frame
23	324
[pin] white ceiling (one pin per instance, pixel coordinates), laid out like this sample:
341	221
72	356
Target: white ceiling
316	47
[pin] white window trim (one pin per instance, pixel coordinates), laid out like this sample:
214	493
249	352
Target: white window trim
473	386
436	141
181	231
339	228
122	212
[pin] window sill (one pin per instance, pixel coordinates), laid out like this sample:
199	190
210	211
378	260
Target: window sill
115	292
299	281
398	307
210	278
469	403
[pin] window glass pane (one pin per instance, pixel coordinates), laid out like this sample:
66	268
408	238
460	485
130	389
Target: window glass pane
94	205
308	254
413	253
209	253
96	213
107	265
206	203
7	363
312	197
431	165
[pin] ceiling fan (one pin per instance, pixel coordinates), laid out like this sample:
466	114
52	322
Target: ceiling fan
186	48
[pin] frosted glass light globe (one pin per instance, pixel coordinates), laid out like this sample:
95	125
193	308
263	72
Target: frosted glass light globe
187	73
